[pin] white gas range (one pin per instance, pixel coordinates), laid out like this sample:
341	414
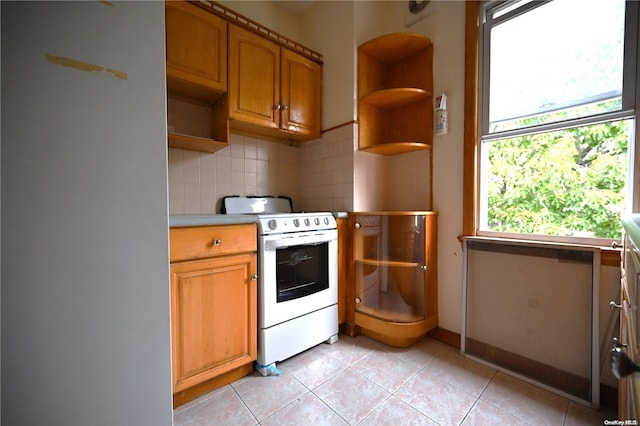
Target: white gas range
297	280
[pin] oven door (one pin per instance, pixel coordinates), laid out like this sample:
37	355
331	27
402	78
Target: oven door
298	275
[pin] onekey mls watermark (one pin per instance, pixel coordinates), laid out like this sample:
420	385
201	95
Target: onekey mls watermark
629	422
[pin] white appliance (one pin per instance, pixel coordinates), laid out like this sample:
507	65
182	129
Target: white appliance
297	278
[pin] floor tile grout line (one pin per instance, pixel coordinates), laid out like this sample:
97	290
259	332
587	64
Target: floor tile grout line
387	398
324	381
566	413
245	404
329	407
493	376
200	400
564	420
469	411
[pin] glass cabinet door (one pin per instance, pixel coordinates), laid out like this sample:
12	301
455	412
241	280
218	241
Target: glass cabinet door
390	266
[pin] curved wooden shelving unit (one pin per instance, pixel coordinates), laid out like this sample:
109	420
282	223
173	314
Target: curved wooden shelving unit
400	335
395	94
391	48
388	304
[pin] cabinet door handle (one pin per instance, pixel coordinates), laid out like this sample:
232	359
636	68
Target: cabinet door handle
613	305
423	267
285	107
277	107
357	225
254	277
621	364
617	344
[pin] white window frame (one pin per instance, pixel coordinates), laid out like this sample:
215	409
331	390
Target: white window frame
630	98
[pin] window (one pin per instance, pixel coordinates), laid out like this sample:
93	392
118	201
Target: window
557	118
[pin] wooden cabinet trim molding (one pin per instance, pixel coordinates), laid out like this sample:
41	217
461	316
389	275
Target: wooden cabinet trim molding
470	172
260	29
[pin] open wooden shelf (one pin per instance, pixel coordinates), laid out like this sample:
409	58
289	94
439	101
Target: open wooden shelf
393	48
197	124
389	263
195	143
395	98
394	148
196	60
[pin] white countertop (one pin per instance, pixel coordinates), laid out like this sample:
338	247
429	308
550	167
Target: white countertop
210	219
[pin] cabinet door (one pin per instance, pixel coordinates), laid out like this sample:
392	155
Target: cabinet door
196	46
254	78
301	92
629	386
213	317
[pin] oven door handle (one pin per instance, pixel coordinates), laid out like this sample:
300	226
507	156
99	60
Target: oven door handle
283	244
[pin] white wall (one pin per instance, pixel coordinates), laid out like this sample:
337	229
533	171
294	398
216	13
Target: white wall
328	28
267	14
445	25
85	287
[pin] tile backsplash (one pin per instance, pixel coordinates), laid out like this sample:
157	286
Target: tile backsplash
328	174
317	175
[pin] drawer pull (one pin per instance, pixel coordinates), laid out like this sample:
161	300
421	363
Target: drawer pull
216	242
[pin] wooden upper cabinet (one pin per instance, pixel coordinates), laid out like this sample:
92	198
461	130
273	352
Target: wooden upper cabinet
196	50
222	75
273	91
301	94
254	78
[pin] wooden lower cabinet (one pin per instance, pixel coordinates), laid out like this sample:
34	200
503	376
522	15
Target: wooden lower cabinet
213	320
629	384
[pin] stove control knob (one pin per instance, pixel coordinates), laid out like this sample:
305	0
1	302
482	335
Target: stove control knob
296	222
317	221
273	224
307	222
326	220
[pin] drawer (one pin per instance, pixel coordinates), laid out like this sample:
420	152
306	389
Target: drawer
208	241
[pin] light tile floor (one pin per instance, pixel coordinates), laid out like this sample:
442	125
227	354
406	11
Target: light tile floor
359	381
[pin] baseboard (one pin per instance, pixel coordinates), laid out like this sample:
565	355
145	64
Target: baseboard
445	336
